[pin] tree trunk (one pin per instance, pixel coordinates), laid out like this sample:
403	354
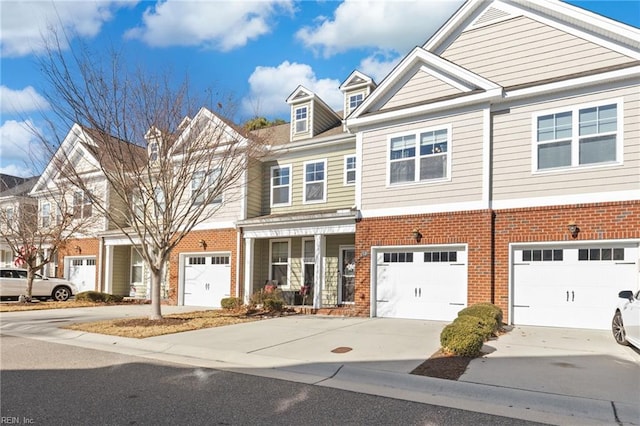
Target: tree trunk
30	276
156	281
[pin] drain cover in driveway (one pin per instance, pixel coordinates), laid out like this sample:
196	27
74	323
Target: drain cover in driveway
341	350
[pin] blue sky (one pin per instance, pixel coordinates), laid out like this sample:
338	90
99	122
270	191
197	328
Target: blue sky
258	51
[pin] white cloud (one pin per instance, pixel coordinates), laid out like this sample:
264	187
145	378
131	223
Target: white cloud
219	25
378	65
24	23
20	151
20	101
387	25
271	86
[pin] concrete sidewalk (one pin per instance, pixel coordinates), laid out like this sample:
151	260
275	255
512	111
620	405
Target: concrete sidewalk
557	376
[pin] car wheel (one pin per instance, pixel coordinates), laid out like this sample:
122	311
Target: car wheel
60	294
617	327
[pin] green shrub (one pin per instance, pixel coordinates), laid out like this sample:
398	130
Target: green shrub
489	313
465	336
273	304
98	297
231	302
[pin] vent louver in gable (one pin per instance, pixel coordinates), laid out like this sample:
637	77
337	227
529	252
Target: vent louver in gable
491	15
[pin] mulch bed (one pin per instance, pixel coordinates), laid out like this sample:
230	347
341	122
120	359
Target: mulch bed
443	366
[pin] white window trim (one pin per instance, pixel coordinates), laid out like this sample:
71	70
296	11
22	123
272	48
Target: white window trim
295	120
304	182
42	215
281	240
416	133
575	137
346	182
271	203
348	106
209	180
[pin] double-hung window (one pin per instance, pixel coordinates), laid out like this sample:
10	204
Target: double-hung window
419	157
301	119
355	101
9	214
204	187
82	207
350	164
280	262
45	216
577	136
281	185
315	181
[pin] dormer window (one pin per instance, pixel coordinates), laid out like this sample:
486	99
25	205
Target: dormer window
301	119
153	151
355	100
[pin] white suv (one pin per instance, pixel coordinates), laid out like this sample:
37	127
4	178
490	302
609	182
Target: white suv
13	283
626	320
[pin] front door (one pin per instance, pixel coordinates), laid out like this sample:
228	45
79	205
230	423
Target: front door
347	274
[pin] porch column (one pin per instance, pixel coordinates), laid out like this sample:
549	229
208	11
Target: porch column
107	268
248	268
319	242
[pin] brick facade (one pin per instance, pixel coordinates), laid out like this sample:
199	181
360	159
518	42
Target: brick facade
84	247
488	234
218	240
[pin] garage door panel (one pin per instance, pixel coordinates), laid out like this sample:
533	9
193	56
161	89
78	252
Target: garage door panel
421	284
577	290
207	280
82	272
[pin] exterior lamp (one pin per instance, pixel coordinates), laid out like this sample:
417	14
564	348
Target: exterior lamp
416	234
573	229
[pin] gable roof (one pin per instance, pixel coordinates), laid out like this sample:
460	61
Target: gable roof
593	27
17	189
356	80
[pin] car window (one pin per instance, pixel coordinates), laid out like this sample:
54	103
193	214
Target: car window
5	273
21	274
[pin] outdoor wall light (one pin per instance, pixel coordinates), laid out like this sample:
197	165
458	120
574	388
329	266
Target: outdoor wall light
203	244
78	249
416	235
573	229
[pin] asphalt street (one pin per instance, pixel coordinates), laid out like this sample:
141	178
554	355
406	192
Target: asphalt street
43	383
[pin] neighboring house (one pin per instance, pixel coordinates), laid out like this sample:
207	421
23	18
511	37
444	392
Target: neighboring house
500	162
14	200
300	228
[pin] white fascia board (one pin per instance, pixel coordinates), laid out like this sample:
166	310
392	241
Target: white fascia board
567	199
215	225
299	231
277	152
573	83
490	95
423	209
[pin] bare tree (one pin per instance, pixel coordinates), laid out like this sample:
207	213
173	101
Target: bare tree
167	167
35	236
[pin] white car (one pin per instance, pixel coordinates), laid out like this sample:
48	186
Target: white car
626	321
13	283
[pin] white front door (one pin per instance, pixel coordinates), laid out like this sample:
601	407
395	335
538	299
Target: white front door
82	272
572	285
347	275
207	279
427	284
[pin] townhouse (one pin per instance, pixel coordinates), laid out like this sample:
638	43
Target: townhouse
499	162
15	205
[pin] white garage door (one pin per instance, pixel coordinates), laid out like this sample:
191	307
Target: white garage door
82	272
421	284
572	286
207	280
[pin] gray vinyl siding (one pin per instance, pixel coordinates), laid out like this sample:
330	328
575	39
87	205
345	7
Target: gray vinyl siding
118	209
513	177
121	274
422	87
466	166
521	50
338	195
260	264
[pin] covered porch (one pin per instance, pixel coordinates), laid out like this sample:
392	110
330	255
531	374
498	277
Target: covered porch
309	257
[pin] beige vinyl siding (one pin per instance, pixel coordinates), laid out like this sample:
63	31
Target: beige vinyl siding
466	166
118	209
121	273
323	119
338	195
521	50
254	188
422	87
260	264
513	177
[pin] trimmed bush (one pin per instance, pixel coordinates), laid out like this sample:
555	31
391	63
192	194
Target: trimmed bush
98	297
489	313
273	305
231	303
465	336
